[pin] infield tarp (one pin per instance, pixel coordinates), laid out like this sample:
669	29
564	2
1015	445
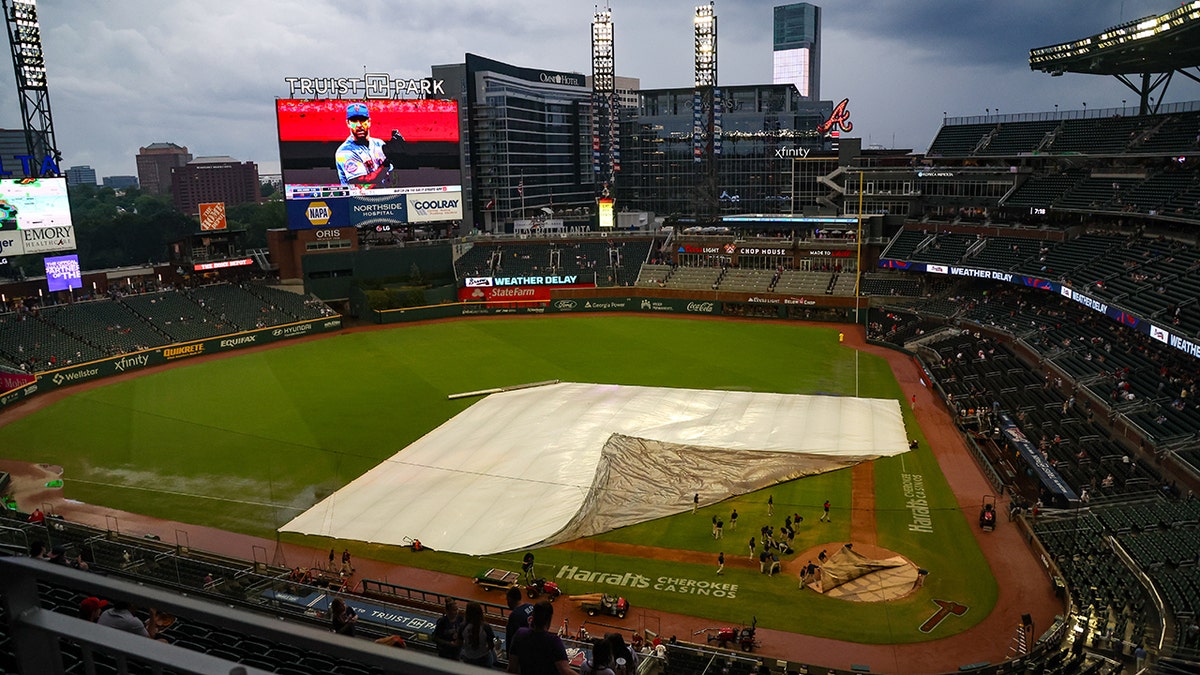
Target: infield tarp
538	466
849	574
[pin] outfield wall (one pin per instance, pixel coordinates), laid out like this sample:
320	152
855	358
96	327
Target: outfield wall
124	363
647	301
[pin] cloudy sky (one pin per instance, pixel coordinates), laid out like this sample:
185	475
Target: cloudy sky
127	73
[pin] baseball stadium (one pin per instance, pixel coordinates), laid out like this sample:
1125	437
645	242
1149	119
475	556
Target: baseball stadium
932	413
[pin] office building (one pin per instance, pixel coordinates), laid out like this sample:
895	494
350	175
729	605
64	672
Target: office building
80	175
120	182
627	90
526	141
765	127
214	179
798	48
154	165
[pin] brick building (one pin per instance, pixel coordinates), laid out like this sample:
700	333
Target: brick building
214	179
154	164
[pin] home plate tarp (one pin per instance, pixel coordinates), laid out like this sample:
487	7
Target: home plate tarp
550	464
849	575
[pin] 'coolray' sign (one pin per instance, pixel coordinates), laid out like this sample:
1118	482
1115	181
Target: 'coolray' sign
429	207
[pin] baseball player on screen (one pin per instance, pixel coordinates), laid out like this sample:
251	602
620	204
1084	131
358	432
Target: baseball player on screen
361	160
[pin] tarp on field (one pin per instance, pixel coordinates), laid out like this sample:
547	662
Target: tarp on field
537	466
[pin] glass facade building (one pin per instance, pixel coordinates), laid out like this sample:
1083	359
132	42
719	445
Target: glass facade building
764	129
797	52
526	140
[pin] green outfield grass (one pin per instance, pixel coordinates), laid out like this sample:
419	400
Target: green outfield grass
247	442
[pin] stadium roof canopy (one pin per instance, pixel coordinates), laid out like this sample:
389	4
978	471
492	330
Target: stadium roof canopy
1154	44
1163	44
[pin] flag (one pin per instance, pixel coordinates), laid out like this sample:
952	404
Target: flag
521	187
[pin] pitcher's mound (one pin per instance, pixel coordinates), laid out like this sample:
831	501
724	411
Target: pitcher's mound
860	573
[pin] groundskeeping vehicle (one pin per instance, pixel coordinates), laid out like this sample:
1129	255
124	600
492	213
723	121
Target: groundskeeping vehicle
602	603
497	579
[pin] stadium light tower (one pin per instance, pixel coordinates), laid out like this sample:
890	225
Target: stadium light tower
706	46
606	153
29	64
706	111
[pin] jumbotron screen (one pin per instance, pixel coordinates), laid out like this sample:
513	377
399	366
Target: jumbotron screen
361	162
28	203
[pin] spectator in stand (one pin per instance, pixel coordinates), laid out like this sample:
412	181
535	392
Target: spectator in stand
91	608
624	658
519	614
477	638
601	661
447	631
535	650
121	617
342	617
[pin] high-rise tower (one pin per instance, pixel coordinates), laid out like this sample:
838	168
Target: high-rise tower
798	48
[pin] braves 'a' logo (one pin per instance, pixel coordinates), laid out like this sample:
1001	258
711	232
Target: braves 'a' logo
839	118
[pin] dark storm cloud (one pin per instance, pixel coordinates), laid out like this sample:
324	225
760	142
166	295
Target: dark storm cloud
127	73
985	32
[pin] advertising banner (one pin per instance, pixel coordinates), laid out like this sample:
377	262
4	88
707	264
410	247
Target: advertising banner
368	211
1048	476
10	381
48	239
62	273
12	396
653	305
305	214
212	216
585	280
430	207
11	243
222	264
501	293
160	355
342	148
606	214
416	120
593	305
